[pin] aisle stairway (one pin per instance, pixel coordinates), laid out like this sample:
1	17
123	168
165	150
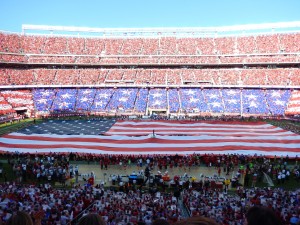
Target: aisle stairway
184	211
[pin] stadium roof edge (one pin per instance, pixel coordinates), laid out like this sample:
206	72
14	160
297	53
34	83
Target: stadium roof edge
247	27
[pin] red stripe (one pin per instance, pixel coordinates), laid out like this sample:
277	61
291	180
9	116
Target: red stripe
145	141
112	130
224	132
170	149
194	122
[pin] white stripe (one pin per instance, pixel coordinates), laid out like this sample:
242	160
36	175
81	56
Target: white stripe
195	124
244	152
194	128
150	145
163	137
113	137
294	109
202	133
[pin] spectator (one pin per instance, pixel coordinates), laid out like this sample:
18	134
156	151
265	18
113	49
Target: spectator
160	222
197	220
262	216
21	218
91	219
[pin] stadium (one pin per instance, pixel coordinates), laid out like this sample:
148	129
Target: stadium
167	98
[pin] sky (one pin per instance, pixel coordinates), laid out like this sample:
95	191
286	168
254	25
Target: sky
145	13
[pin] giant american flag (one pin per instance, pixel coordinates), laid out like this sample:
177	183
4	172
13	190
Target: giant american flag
165	137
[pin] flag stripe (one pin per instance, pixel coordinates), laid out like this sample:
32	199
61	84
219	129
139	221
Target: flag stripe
132	128
157	139
152	149
136	137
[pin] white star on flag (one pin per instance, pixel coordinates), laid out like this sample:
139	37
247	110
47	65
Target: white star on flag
231	92
212	96
275	94
99	103
157	95
194	100
216	104
46	93
84	99
278	102
157	102
253	104
64	104
123	99
252	96
190	92
43	100
232	101
104	95
66	95
87	92
5	107
126	92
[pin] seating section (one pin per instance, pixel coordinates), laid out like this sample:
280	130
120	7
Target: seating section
123	100
84	99
59	49
86	52
276	100
192	100
293	107
174	101
141	100
254	102
214	100
280	76
290	42
5	107
19	99
206	101
157	99
102	98
232	100
19	77
65	100
43	99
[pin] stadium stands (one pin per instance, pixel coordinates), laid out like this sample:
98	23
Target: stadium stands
65	100
282	76
175	75
5	107
101	100
214	100
141	101
193	101
127	204
157	99
72	61
205	48
254	102
232	100
43	99
269	102
123	100
84	99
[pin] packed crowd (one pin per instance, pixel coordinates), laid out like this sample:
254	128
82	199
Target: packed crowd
186	100
185	50
150	59
284	42
262	76
51	168
130	205
231	209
